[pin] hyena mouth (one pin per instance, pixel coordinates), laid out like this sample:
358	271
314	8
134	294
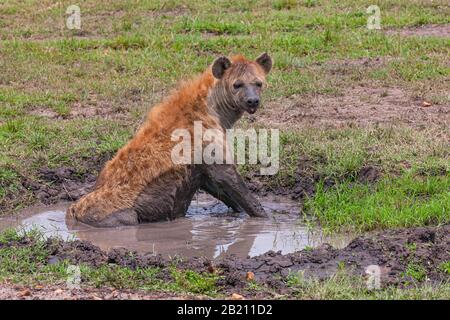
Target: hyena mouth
252	110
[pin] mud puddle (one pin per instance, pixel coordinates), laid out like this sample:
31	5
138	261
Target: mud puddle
209	230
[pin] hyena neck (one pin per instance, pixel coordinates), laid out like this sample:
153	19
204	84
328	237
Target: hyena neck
222	108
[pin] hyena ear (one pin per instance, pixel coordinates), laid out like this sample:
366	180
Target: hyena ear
265	61
219	66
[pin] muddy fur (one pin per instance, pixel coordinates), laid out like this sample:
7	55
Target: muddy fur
142	183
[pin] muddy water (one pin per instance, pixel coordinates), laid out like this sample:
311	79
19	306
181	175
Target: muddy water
209	229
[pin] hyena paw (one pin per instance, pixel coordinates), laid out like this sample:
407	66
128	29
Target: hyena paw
258	213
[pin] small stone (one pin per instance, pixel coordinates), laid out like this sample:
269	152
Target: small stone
236	296
58	291
211	268
426	104
52	260
24	293
250	276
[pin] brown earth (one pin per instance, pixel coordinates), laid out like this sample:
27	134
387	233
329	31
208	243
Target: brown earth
95	109
432	30
52	292
388	249
61	184
52	185
358	105
392	250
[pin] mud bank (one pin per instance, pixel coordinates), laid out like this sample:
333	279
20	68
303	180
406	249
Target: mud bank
65	183
394	251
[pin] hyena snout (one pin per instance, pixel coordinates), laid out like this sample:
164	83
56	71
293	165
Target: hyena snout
252	104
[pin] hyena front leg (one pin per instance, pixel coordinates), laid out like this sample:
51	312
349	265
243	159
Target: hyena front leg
227	180
212	188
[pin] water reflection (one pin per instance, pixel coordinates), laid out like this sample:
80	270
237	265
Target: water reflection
209	230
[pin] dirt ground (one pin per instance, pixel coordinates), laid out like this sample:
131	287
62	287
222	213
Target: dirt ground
358	105
393	251
423	31
15	292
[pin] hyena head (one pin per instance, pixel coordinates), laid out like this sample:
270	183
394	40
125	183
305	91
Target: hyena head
240	82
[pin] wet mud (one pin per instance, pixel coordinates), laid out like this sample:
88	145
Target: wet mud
394	251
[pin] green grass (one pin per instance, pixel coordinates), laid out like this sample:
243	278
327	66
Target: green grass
445	266
342	286
341	153
192	281
18	261
404	201
159	50
416	272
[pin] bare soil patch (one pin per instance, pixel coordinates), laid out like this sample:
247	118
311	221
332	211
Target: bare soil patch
44	112
366	62
358	105
53	292
100	109
432	30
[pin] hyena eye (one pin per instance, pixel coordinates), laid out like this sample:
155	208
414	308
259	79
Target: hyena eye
238	84
258	84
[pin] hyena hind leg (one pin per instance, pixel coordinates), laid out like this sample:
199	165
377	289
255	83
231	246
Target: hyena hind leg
124	217
95	214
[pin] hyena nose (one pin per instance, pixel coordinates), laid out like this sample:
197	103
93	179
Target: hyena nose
253	102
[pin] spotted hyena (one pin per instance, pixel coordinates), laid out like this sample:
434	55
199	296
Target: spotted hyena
143	184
